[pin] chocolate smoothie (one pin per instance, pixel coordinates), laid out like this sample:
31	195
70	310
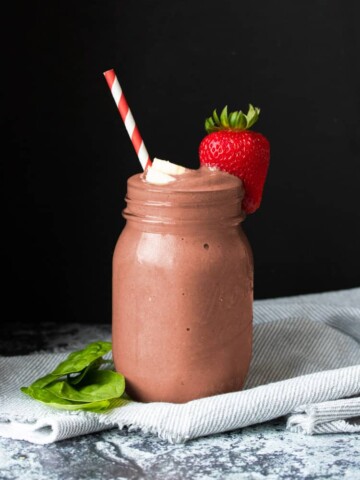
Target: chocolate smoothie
183	288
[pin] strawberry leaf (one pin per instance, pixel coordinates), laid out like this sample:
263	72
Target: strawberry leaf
233	119
209	125
236	120
224	117
252	115
241	122
216	117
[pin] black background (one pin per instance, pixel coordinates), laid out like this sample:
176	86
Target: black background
69	155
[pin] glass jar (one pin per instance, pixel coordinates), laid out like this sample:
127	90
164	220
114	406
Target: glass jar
182	294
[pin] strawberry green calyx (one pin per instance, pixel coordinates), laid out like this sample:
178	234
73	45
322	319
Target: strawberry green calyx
235	121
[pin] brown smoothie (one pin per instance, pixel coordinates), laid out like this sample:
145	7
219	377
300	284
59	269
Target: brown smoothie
183	288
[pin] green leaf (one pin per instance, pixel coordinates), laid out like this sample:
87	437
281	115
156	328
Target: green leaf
236	120
46	380
43	395
209	126
232	119
74	379
97	386
80	359
224	117
90	389
103	383
76	362
252	116
240	121
216	117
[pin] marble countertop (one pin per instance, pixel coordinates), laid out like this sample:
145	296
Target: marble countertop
264	451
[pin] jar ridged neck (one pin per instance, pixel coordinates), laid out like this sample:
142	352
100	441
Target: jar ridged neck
167	205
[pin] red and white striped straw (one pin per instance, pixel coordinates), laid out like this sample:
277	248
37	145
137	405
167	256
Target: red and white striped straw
127	117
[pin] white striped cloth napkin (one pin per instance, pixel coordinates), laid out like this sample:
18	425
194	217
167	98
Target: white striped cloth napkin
305	368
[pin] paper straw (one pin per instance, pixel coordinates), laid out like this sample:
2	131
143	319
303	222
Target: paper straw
127	117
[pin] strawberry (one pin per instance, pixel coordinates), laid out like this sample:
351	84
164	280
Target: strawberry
231	147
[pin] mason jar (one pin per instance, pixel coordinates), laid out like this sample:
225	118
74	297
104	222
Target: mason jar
182	291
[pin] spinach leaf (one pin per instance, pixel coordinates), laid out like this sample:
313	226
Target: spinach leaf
96	386
75	378
76	362
81	383
45	396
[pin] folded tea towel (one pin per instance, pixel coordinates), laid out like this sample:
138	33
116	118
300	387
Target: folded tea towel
305	367
337	416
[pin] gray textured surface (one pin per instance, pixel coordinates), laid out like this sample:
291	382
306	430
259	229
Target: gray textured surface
263	451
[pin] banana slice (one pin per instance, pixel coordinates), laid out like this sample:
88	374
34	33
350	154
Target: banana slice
157	177
167	167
